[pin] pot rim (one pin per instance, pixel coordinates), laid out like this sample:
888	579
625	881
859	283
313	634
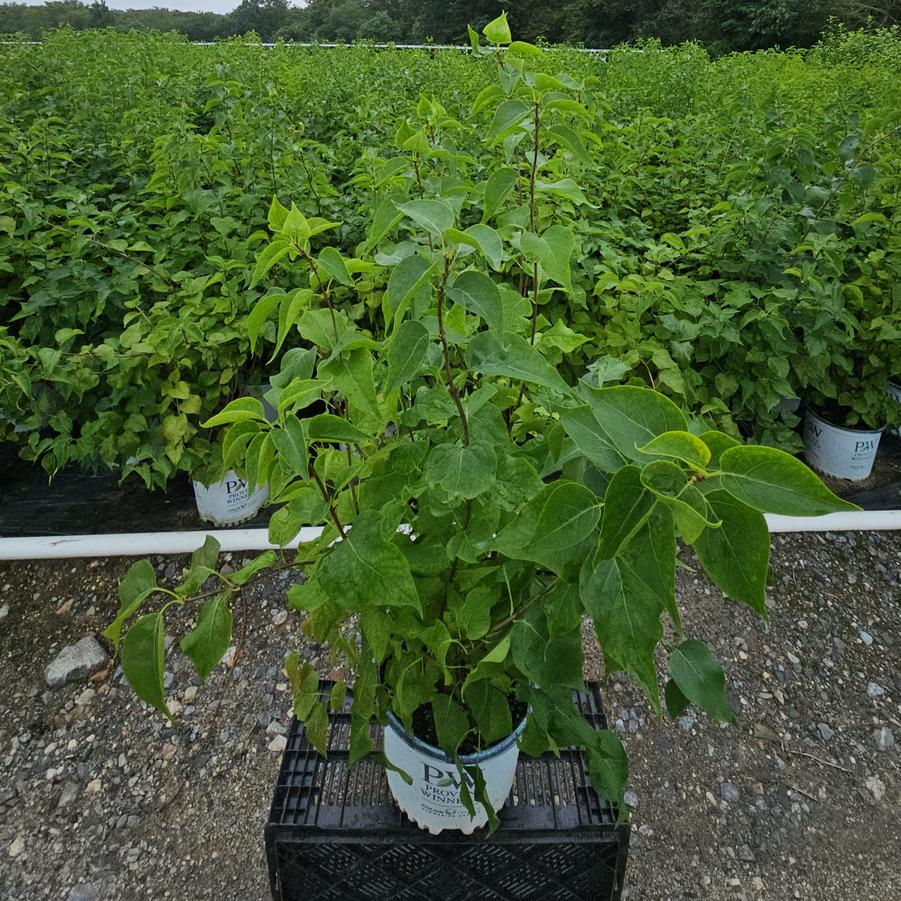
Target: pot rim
424	747
844	428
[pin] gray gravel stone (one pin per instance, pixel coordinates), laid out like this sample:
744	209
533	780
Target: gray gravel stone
865	637
729	792
76	661
84	892
631	799
883	738
69	794
875	690
825	731
4	611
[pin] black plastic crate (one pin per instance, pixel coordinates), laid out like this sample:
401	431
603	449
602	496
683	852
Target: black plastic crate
335	834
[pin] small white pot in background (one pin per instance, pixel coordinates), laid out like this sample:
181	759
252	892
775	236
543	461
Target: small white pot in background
840	452
228	501
432	801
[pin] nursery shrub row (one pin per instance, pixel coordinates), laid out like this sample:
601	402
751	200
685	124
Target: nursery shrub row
732	230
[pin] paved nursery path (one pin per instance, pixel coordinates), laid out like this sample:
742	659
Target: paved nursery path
101	801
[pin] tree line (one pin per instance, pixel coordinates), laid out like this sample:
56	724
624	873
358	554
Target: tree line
721	25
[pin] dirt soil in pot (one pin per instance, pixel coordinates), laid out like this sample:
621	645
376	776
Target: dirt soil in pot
103	800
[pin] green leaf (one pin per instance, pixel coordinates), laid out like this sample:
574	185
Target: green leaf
462	471
451	723
366	570
506	116
433	215
474	614
625	597
670	483
566	188
277	249
736	556
309	509
773	481
332	262
138	584
407	278
553	251
590	438
291	444
240	410
337	695
546	660
627	506
490	712
512	356
563	134
407	352
676	702
500	183
700	678
328	427
351	374
630	417
498	31
552	526
206	644
717	443
143	658
680	445
488	242
246	572
203	563
477	293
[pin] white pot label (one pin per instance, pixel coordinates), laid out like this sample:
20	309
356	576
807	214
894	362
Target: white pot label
432	800
843	453
229	500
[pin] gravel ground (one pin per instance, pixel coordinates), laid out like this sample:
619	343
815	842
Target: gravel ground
100	800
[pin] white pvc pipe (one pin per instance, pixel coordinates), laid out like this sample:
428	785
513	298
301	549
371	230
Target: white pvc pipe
140	544
854	521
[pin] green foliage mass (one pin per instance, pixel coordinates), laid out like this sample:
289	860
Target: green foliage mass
478	501
733	222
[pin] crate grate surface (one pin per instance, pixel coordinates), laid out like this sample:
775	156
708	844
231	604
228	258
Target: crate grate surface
335	833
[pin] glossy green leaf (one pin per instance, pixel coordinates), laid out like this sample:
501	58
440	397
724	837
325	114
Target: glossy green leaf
143	660
499	184
512	356
205	645
507	115
366	569
681	446
435	216
736	556
701	679
773	481
328	427
291	444
462	471
407	352
627	506
137	585
498	30
478	294
630	417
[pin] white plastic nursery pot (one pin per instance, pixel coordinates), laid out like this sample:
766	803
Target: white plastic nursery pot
432	800
837	451
228	501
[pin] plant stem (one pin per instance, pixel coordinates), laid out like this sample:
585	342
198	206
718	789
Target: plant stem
448	369
328	500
